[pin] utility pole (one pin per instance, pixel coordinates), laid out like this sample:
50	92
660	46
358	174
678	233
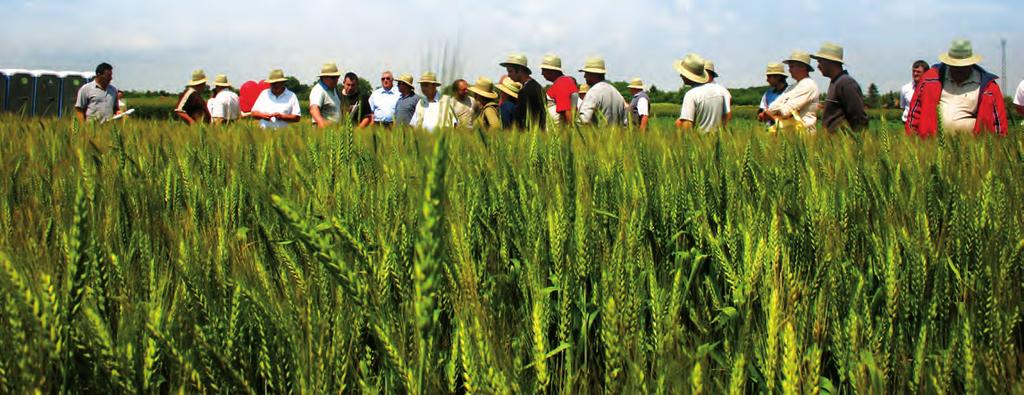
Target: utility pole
1005	81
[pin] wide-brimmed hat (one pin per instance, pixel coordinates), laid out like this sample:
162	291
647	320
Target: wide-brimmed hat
198	78
960	54
510	87
484	88
636	83
692	67
594	65
329	70
551	62
584	88
429	78
830	51
516	59
775	69
710	67
276	75
405	79
800	57
221	80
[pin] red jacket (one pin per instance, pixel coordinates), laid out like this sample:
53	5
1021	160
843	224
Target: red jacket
923	117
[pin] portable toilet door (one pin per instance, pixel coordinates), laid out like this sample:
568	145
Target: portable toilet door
20	92
71	82
47	100
3	90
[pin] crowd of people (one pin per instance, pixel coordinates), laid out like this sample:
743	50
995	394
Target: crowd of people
956	95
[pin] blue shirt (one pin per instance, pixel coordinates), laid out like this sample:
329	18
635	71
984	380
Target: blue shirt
508	114
383	103
770	95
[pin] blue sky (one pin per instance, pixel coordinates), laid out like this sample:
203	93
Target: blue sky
156	45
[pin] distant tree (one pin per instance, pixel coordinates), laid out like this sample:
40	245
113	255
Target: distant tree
873	98
297	87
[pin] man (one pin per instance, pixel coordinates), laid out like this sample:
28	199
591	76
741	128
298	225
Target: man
603	104
276	107
907	91
709	66
355	106
844	105
405	107
191	107
562	96
584	88
704	106
122	105
1018	99
324	103
97	100
508	91
640	106
966	96
530	108
435	110
489	119
776	77
383	100
797	108
462	104
224	105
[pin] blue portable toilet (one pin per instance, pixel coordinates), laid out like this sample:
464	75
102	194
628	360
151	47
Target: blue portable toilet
3	90
47	95
20	92
71	82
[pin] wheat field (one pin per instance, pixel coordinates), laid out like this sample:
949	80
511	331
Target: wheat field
148	257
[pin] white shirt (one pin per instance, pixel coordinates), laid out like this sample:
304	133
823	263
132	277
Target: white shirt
225	106
906	95
383	103
801	97
431	114
327	101
728	96
267	103
643	107
1018	98
705	105
603	98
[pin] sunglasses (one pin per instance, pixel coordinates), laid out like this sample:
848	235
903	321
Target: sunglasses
386	79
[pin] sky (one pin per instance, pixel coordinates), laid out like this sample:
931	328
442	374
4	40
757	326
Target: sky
155	45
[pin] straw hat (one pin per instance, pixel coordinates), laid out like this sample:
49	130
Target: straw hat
516	59
198	78
329	70
830	51
406	79
510	87
636	83
594	65
551	62
960	54
801	57
775	69
276	75
692	67
584	88
484	88
221	80
429	78
710	67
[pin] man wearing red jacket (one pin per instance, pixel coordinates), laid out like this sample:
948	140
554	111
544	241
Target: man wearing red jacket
963	94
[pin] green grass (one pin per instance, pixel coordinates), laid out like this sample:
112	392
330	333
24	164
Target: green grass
150	257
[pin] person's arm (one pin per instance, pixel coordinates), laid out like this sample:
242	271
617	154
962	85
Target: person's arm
684	125
185	117
294	113
367	121
80	114
643	107
492	119
587	109
1020	109
314	111
798	98
417	116
853	106
81	103
686	113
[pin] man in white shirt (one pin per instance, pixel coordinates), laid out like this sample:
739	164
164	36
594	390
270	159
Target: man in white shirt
384	100
435	110
324	103
276	107
710	67
603	105
907	91
800	98
640	106
224	106
1018	100
704	106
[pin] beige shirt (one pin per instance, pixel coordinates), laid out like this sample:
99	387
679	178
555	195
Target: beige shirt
801	97
463	111
959	103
